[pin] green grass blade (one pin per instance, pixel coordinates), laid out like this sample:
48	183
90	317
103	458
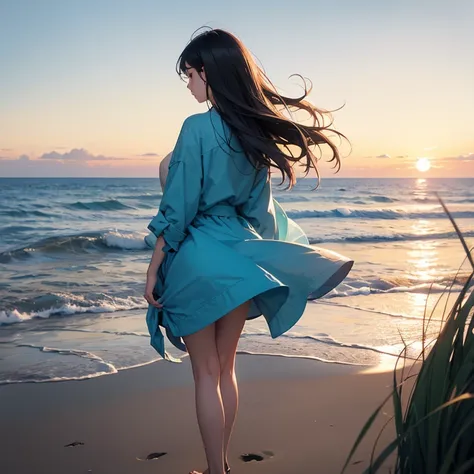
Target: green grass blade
466	467
382	457
450	454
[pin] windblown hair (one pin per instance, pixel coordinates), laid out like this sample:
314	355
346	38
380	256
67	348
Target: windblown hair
250	105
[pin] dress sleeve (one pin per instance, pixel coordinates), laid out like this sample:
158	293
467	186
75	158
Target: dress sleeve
259	209
180	201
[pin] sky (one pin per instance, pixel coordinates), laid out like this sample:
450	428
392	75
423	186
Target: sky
89	88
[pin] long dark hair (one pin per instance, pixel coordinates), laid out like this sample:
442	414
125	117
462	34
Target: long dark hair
248	102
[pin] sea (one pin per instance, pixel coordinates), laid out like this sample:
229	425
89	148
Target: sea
73	263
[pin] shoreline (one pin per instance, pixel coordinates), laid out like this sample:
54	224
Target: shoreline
299	415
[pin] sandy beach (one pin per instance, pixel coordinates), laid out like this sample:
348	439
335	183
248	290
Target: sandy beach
362	113
297	416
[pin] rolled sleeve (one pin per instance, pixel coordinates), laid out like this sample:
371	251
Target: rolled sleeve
172	235
180	202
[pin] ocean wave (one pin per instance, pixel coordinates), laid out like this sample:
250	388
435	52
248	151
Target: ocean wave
74	305
292	198
15	228
111	369
326	339
68	304
426	200
109	205
294	356
142	197
374	238
460	201
382	199
423	288
289	197
25	214
383	313
99	368
344	212
124	241
105	331
110	240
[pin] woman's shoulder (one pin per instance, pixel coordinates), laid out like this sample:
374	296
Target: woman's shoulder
204	121
207	127
198	120
194	127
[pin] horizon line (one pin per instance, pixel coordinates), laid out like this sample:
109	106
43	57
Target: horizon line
274	178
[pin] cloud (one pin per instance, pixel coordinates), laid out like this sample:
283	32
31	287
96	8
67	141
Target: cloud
383	156
464	157
402	156
149	154
73	163
19	158
30	168
77	154
6	149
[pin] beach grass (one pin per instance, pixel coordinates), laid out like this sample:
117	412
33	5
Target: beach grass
433	409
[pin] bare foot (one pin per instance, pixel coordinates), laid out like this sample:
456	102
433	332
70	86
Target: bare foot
207	470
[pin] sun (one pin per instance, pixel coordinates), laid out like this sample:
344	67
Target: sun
423	164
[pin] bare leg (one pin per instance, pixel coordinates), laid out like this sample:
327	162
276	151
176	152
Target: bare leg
228	331
212	351
210	413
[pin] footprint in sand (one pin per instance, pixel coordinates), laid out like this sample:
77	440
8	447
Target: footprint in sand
244	457
257	457
74	443
152	456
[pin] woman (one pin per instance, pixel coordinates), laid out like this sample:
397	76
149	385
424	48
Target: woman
222	254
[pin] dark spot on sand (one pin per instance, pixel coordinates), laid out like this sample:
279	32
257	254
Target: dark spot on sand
152	456
270	454
356	462
74	443
251	457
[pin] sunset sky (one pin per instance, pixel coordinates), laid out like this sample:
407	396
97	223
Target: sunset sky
88	88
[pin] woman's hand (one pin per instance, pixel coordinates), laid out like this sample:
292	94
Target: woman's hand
152	272
151	278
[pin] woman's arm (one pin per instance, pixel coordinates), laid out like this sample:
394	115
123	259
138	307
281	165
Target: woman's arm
182	192
158	255
164	165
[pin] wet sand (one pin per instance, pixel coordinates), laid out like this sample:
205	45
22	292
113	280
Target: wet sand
297	416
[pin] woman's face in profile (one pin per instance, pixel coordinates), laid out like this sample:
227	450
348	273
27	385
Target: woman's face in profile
197	83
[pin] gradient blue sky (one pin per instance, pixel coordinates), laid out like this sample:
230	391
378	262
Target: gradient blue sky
88	88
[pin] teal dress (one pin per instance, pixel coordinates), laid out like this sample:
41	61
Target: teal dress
228	241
